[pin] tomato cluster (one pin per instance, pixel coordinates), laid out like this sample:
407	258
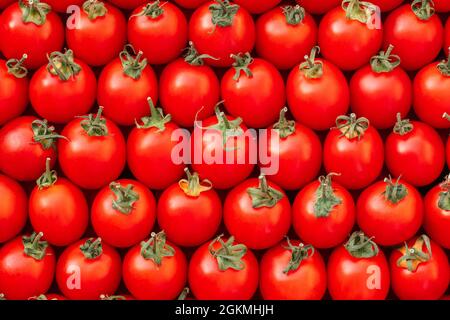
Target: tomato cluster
138	141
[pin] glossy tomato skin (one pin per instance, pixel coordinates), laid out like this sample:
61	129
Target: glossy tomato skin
221	42
316	103
416	41
60	101
207	282
62	5
348	277
129	4
190	4
169	31
21	276
387	5
257	99
308	282
447	37
436	219
13	94
13	208
257	6
431	98
99	40
125	98
323	232
359	161
188	92
123	230
20	156
91	162
418	156
380	96
347	43
318	7
389	223
97	276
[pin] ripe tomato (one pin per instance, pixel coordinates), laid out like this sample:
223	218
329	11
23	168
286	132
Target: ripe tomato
358	270
27	266
25	144
128	4
416	34
387	5
63	89
317	93
431	98
296	153
257	6
5	3
189	89
190	4
94	153
441	5
319	7
99	35
222	150
13	208
420	270
193	201
221	29
123	213
257	95
159	30
347	35
292	271
257	213
381	90
323	213
223	270
389	211
88	269
355	150
447	37
13	89
58	208
62	5
415	151
155	270
124	86
149	150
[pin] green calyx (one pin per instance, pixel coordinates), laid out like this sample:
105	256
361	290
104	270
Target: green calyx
294	14
33	11
444	66
192	185
48	178
62	65
312	68
44	134
385	61
326	199
402	126
395	191
423	9
156	248
40	297
228	128
242	63
152	10
444	195
94	9
157	119
229	255
298	254
351	126
111	298
92	248
414	256
284	127
95	125
132	63
16	68
34	247
361	246
125	197
222	13
263	195
194	58
361	11
2	297
184	294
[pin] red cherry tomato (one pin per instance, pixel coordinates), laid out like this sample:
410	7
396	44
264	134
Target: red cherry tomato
292	271
62	5
63	89
221	29
27	266
159	30
193	201
5	3
387	5
389	211
155	270
257	213
355	150
441	5
417	37
358	270
123	213
13	208
447	37
257	6
88	269
420	270
94	154
319	7
128	4
223	270
190	4
317	93
323	213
